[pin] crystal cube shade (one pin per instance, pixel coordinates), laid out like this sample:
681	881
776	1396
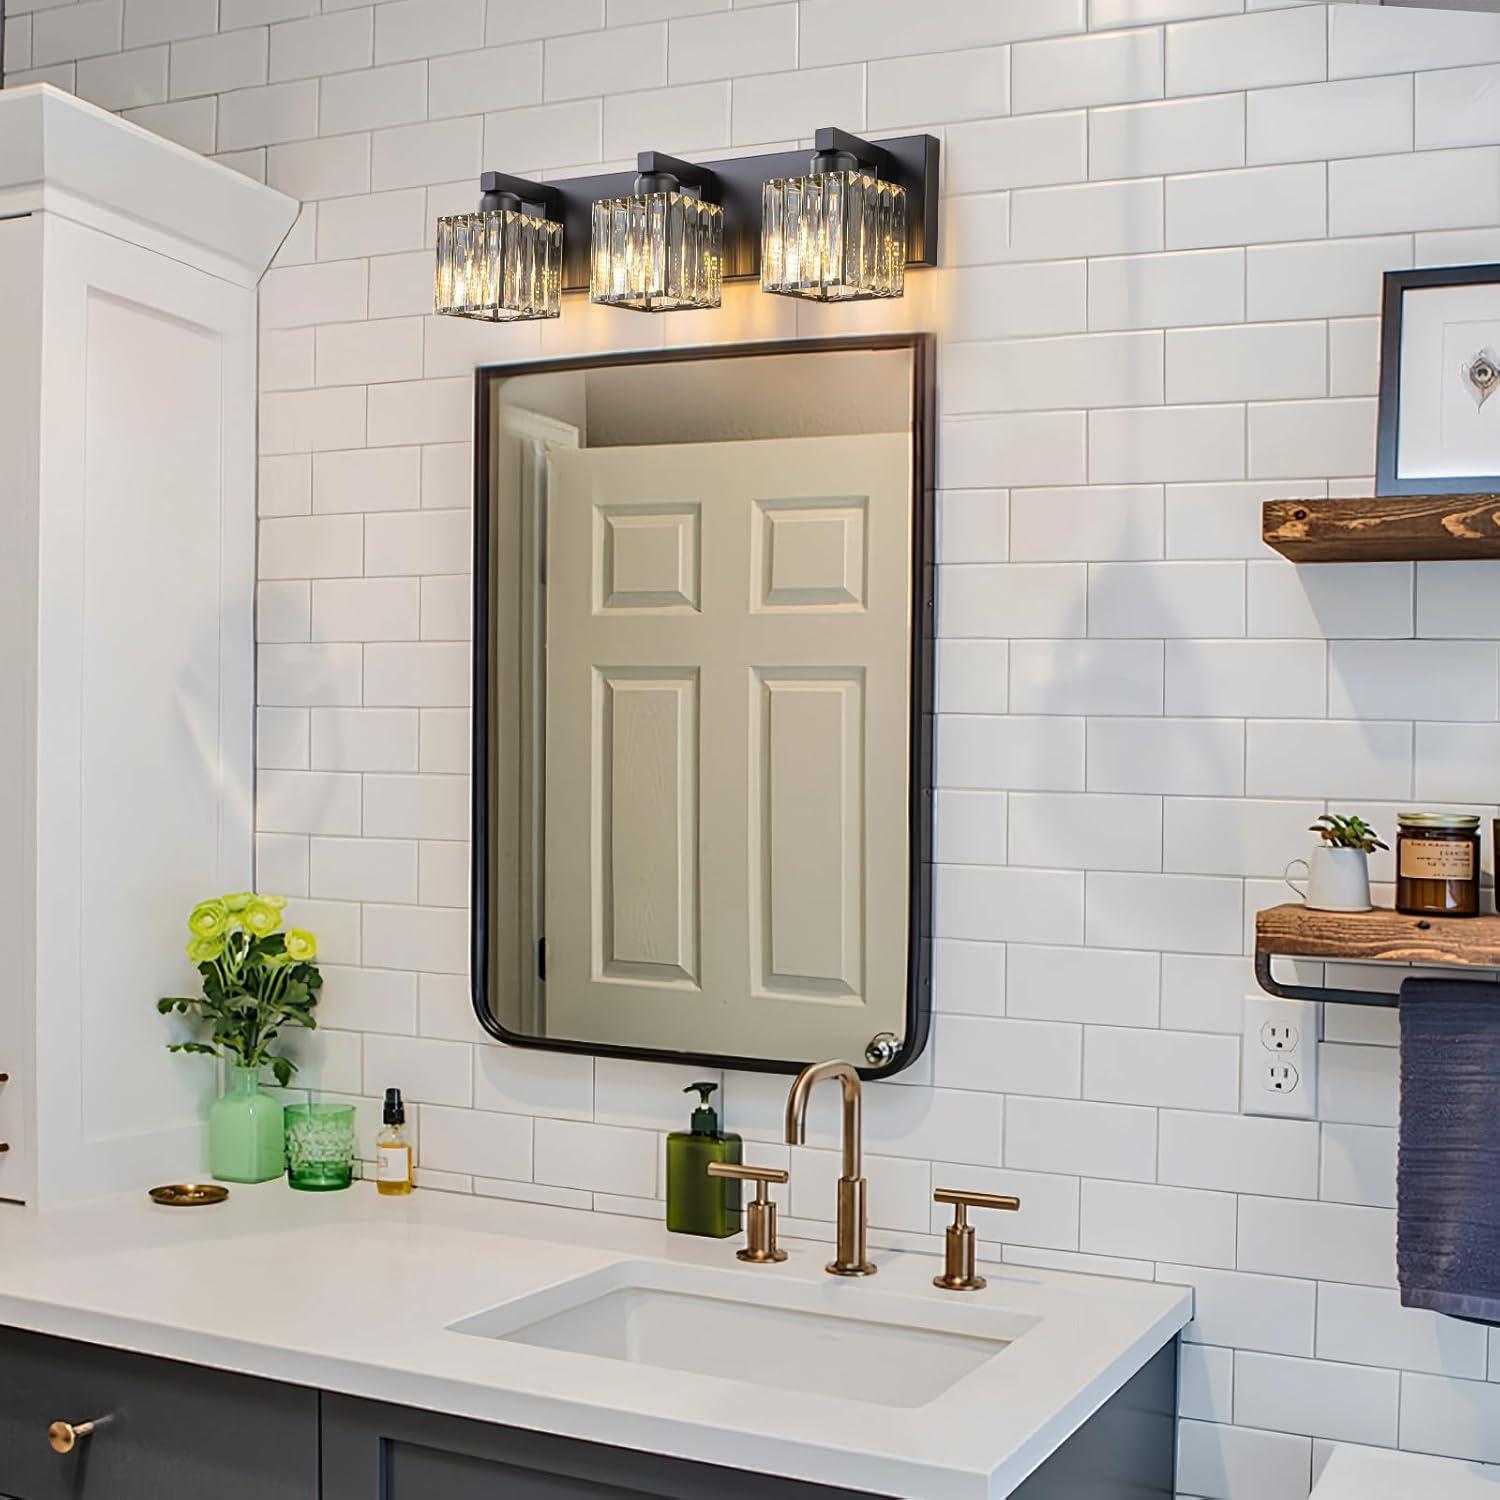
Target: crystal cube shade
501	266
657	252
833	237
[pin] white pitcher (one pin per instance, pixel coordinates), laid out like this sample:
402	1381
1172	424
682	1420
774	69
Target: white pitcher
1336	879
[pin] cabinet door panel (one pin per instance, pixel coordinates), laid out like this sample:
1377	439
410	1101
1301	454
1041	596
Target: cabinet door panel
372	1451
413	1472
175	1430
144	731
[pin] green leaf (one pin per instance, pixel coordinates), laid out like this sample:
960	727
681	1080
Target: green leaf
283	1068
1347	832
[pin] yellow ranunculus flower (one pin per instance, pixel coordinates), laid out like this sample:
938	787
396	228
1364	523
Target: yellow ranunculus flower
301	947
279	902
209	919
204	950
238	901
261	919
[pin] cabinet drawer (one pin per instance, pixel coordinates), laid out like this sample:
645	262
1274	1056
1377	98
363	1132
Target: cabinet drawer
175	1430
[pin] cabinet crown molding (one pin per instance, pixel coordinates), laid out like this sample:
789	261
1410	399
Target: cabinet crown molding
62	155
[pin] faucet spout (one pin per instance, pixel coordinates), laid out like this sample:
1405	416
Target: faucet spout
849	1258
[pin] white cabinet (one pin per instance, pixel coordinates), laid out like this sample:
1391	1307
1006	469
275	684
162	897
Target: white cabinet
127	573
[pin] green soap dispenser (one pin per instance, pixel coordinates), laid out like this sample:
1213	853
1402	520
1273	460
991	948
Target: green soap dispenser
696	1202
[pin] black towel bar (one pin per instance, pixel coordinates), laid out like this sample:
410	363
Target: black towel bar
1273	986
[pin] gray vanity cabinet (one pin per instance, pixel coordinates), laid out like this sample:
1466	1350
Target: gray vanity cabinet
175	1431
1123	1452
185	1432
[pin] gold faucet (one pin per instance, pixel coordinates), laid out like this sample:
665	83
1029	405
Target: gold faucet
849	1251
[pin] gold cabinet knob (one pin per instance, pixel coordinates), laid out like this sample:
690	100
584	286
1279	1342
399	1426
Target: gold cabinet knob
760	1216
958	1246
64	1437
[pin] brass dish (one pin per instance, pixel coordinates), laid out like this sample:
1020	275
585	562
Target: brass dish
189	1194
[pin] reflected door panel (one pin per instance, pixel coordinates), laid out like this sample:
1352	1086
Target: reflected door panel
727	767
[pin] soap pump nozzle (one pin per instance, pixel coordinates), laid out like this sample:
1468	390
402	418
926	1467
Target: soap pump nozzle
705	1117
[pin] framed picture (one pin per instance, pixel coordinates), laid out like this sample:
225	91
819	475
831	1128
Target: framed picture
1440	382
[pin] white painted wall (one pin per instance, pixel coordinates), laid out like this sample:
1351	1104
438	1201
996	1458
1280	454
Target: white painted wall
1164	231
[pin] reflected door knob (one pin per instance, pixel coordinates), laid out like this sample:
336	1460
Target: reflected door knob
64	1437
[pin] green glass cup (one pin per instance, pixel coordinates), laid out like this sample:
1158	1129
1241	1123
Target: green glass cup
319	1146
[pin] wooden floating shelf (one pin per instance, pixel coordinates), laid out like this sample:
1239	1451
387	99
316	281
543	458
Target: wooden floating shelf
1293	931
1386	528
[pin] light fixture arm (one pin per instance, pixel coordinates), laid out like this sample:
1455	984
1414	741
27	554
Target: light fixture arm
656	172
500	191
835	150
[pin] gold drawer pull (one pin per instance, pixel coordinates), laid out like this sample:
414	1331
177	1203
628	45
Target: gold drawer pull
64	1436
959	1274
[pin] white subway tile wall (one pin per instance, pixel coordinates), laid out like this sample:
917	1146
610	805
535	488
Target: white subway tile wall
1165	223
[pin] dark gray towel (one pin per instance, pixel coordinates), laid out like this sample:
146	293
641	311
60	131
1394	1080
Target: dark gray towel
1448	1169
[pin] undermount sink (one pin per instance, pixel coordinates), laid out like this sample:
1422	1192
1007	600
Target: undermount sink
719	1323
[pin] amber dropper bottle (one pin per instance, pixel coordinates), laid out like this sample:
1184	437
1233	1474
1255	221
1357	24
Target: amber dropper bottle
392	1149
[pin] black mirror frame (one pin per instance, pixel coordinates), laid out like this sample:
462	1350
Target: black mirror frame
922	347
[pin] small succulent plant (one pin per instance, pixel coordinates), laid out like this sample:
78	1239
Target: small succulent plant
1351	832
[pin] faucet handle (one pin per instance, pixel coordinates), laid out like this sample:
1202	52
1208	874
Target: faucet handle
760	1215
958	1249
760	1176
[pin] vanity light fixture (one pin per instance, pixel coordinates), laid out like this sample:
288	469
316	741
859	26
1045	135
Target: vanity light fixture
661	249
504	263
667	236
838	233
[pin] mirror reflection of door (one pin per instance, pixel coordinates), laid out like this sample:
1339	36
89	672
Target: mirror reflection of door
699	669
727	632
513	788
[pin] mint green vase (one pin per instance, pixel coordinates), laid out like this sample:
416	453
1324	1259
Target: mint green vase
246	1142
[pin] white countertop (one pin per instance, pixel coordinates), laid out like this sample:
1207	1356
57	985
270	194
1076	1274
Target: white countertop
354	1293
1354	1473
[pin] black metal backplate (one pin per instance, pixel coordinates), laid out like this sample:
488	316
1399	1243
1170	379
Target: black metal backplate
739	182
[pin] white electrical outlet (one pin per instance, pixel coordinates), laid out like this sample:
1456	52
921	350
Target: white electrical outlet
1280	1077
1279	1036
1279	1058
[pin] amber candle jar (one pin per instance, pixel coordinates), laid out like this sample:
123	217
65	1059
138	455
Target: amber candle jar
1437	865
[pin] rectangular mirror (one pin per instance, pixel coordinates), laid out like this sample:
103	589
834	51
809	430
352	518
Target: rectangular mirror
703	703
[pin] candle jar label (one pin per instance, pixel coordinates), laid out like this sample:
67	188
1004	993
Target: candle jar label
1437	859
